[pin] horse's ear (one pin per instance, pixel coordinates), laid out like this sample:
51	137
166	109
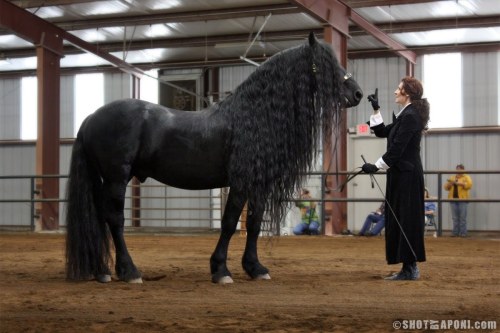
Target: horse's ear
312	39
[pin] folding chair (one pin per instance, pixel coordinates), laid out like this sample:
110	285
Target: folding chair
431	223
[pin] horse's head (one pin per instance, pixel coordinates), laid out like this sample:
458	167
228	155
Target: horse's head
351	93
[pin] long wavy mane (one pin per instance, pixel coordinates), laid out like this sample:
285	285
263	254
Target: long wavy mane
276	117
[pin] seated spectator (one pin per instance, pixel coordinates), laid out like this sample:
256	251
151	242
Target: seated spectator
309	224
376	217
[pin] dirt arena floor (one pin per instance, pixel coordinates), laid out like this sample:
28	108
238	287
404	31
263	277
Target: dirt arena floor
319	284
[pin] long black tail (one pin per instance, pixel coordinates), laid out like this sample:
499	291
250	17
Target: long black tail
87	240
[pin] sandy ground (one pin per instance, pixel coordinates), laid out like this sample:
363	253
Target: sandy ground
319	284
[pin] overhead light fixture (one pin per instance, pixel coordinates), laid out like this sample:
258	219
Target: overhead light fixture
3	60
249	61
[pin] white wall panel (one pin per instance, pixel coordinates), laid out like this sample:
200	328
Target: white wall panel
117	86
10	109
476	152
64	163
439	151
382	73
67	121
16	160
480	88
232	76
165	206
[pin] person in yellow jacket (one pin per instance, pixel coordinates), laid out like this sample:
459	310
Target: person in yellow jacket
458	187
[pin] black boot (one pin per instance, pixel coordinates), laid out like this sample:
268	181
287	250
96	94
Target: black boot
409	271
414	271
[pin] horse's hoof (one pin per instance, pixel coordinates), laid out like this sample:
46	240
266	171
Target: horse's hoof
225	280
263	277
138	280
103	278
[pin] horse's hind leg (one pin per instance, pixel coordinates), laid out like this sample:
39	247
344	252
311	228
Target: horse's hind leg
113	201
218	260
250	260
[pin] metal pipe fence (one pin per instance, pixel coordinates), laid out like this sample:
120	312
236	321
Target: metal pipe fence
31	199
439	199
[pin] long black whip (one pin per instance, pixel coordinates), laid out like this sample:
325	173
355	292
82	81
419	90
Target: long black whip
392	211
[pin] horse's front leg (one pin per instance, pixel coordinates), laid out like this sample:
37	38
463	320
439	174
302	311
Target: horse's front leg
218	260
113	204
250	260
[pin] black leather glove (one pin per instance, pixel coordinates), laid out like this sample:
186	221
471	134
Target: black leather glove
369	168
373	98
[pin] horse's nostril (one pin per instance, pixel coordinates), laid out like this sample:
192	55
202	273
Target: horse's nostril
358	95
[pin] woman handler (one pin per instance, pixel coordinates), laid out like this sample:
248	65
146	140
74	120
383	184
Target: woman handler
404	214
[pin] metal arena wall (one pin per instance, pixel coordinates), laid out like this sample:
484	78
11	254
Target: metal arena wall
440	151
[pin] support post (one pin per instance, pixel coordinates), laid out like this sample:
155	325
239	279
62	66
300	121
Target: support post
336	212
47	145
410	68
136	184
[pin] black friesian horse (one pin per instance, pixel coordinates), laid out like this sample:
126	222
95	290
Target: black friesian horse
259	141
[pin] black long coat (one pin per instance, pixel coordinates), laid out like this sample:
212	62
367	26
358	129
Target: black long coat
405	187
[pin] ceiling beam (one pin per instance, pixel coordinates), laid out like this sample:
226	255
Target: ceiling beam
331	12
209	41
279	9
42	33
350	3
177	17
426	25
219	61
180	17
387	27
327	11
44	3
384	38
432	49
378	3
30	27
276	36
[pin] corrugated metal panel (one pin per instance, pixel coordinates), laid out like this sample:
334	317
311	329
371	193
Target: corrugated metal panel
382	73
67	121
232	76
117	86
476	152
64	162
16	160
166	209
10	109
480	88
